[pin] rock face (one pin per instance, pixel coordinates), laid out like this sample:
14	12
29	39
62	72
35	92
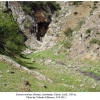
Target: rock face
34	26
57	26
2	5
81	48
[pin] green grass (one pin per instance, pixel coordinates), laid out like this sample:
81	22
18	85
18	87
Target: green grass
64	79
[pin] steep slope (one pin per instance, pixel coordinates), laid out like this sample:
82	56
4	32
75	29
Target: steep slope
84	22
86	44
33	18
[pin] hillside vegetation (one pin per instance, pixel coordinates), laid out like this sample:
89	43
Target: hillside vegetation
11	38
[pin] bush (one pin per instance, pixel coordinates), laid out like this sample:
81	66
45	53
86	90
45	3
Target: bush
93	8
26	9
68	43
75	13
80	23
95	41
11	40
95	3
36	5
77	3
98	33
88	30
68	32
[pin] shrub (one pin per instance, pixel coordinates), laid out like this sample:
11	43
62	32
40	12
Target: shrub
11	39
95	1
80	23
36	5
75	13
98	33
68	43
68	32
26	9
88	30
93	8
54	6
77	3
95	41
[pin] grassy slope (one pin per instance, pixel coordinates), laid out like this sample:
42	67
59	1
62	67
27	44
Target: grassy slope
64	78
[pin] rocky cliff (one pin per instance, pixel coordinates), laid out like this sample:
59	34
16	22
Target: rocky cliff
33	24
83	20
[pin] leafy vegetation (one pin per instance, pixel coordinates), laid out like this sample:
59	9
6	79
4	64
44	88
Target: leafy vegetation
37	5
11	39
75	13
77	3
68	43
93	8
95	41
80	23
88	30
68	32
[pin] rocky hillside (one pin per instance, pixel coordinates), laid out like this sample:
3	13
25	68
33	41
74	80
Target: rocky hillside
33	18
43	27
83	19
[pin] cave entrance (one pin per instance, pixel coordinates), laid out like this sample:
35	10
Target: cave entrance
42	28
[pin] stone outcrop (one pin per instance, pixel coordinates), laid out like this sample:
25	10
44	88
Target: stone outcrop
34	26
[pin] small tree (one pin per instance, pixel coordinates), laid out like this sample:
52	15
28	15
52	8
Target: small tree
11	40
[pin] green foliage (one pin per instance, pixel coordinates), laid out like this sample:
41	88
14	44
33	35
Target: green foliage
80	23
11	40
37	5
68	43
98	33
95	41
68	32
88	30
77	3
95	3
54	6
26	9
93	8
75	13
